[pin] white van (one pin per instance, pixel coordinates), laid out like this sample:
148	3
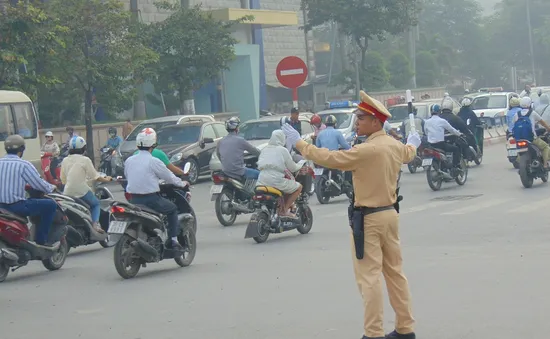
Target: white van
17	116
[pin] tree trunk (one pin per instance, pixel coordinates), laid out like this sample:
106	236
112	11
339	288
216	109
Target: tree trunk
88	122
187	102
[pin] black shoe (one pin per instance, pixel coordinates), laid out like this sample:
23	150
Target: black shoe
395	335
175	246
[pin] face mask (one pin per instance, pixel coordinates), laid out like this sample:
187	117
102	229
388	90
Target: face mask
112	135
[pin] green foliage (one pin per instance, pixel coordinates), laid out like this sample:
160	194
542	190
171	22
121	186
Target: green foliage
373	77
426	69
193	48
400	70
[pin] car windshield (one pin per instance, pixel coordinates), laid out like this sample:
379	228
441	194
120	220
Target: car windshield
343	118
400	113
490	102
179	135
154	125
258	130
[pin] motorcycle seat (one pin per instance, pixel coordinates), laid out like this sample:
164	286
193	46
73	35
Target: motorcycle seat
11	216
268	190
149	210
80	202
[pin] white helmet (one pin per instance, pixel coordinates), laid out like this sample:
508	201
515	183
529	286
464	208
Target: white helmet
77	143
146	138
49	134
466	102
514	102
525	102
447	104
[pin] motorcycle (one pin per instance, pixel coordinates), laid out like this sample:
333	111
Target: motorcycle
16	240
331	183
439	166
476	155
144	236
80	231
512	150
268	202
531	164
233	196
105	164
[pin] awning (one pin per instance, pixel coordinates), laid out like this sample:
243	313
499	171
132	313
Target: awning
266	18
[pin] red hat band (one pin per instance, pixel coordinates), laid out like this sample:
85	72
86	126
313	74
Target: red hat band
372	111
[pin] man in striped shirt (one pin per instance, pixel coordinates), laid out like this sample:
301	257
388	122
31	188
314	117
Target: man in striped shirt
15	173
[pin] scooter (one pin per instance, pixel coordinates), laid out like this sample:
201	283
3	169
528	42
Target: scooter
439	166
105	164
512	150
17	247
531	164
331	183
476	155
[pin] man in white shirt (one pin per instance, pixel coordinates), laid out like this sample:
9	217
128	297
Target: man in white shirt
143	172
435	128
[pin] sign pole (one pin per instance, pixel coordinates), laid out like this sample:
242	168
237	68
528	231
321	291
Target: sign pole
295	97
408	95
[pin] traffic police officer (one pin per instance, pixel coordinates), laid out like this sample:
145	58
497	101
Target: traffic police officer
375	165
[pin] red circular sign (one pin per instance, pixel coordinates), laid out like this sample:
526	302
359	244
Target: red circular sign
291	72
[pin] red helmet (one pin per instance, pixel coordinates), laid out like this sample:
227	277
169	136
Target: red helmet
315	120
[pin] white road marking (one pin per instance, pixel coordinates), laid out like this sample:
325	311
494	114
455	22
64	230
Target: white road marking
528	207
476	206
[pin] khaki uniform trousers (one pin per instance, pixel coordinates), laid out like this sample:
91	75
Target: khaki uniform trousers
383	255
544	149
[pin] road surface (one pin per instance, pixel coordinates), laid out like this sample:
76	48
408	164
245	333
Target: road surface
476	257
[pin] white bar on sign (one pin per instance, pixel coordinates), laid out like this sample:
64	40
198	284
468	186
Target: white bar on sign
293	71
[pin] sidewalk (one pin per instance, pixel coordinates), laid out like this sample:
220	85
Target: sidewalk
495	135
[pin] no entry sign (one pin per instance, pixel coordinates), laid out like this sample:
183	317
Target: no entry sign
292	73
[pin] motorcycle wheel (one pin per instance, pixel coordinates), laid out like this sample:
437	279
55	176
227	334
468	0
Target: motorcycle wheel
434	178
461	179
516	164
478	159
193	172
307	220
218	207
122	253
4	270
544	177
319	188
412	167
57	260
263	228
526	179
188	239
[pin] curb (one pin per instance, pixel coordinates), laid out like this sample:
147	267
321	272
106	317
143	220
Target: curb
495	140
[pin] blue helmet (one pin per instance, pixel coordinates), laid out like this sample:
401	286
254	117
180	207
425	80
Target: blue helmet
436	109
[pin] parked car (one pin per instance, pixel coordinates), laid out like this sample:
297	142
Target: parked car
193	143
258	132
491	108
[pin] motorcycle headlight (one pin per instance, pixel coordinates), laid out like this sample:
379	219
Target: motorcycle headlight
176	157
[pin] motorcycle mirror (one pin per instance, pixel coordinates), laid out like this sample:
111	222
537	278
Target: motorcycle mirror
187	168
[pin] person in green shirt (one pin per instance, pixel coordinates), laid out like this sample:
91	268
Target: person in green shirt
157	153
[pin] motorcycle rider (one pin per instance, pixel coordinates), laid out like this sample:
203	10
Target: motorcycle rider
536	102
466	112
50	146
435	128
418	122
114	140
15	173
527	108
512	112
159	154
294	120
459	124
230	151
76	170
71	133
143	172
330	137
544	101
317	123
274	160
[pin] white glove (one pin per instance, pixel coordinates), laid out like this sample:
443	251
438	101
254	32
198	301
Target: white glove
414	139
292	135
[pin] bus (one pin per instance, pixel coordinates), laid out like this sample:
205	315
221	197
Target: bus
17	116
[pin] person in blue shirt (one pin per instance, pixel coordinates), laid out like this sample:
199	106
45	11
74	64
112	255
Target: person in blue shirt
331	138
15	173
512	112
114	140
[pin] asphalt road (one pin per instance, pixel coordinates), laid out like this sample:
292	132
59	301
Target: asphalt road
477	266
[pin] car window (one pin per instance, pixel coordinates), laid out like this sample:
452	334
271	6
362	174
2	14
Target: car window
258	130
25	121
220	130
343	119
490	102
180	135
154	125
6	122
208	132
401	113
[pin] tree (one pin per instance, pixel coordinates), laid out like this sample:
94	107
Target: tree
363	20
193	48
426	69
27	36
102	54
400	70
374	76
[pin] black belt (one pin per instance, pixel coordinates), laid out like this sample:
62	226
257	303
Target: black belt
144	195
371	210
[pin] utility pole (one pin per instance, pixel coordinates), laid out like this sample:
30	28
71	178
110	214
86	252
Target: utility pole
528	3
190	102
140	111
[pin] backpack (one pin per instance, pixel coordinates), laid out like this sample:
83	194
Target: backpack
523	128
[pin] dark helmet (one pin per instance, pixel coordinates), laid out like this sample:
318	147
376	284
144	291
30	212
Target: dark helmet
112	130
15	143
330	120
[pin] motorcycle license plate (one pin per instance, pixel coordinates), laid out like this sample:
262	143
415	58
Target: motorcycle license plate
216	189
426	162
117	227
512	152
318	171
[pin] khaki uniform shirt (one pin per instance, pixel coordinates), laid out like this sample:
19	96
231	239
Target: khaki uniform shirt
375	165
